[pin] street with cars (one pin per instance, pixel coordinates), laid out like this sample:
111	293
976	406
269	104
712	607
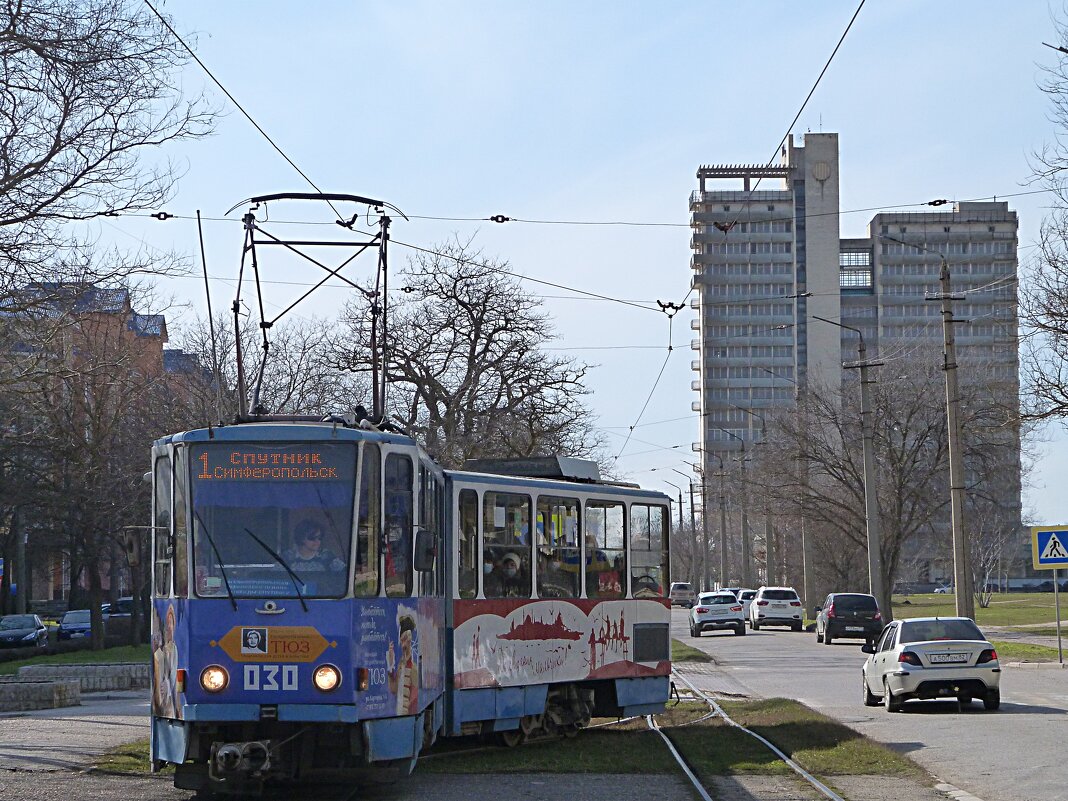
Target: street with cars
1003	755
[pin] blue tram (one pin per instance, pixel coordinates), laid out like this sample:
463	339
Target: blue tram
327	600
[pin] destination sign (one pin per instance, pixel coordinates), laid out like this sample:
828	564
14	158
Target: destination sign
246	462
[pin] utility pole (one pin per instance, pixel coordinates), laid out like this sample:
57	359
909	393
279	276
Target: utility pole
681	526
693	525
871	497
962	574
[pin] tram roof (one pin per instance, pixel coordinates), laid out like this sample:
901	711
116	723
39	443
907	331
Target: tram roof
293	431
562	486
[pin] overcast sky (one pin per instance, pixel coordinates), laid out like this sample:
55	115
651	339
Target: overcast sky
602	112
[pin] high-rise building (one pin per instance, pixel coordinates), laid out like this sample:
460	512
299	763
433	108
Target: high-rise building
769	258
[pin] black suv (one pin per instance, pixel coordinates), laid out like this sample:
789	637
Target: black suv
849	615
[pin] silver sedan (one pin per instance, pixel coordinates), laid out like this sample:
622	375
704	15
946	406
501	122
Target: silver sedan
930	657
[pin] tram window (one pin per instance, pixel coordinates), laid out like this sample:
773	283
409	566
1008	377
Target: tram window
506	545
161	535
398	540
254	501
365	581
605	555
559	555
467	543
648	551
181	530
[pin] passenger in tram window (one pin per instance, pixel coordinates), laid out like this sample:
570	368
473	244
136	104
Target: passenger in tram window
553	580
508	579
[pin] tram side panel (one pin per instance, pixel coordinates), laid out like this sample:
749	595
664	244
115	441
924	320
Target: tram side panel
508	653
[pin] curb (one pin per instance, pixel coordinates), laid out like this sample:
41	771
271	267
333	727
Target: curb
956	793
1036	665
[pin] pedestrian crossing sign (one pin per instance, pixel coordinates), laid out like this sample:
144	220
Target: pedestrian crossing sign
1049	547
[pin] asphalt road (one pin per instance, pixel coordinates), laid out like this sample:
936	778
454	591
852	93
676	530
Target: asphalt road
1010	755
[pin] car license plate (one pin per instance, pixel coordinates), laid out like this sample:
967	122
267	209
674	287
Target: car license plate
854	628
948	657
719	612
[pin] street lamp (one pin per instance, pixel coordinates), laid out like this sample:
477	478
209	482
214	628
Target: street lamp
747	558
871	499
769	533
802	470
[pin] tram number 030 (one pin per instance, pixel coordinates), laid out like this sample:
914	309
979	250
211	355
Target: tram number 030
270	677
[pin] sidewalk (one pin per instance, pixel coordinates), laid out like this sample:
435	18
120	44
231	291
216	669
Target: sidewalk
73	737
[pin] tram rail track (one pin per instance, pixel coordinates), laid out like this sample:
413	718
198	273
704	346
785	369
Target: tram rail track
718	711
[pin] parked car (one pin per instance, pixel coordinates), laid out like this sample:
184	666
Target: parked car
716	610
947	589
775	606
23	631
849	615
746	597
74	624
929	657
123	607
682	594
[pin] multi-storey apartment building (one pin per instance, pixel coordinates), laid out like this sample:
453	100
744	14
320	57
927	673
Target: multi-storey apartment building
769	258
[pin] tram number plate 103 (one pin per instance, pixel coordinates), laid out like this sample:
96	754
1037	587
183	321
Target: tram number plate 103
270	677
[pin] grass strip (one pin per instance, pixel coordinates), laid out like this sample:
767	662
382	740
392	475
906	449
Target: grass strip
1023	652
124	653
1006	609
128	758
711	747
681	652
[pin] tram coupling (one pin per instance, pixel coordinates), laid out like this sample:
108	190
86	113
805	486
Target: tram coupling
244	761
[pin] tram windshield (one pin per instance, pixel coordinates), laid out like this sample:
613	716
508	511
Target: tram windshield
292	499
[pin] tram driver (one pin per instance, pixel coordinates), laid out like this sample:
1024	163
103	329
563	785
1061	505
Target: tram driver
307	557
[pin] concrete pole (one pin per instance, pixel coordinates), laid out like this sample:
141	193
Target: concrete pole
724	574
962	574
747	548
704	538
22	575
871	499
770	570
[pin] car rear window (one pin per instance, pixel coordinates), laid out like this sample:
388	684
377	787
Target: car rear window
780	595
855	603
681	587
748	595
924	630
718	599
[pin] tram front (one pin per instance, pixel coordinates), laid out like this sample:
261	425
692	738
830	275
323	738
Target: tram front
291	632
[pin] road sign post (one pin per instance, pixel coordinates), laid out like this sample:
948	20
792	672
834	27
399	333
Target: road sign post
1049	551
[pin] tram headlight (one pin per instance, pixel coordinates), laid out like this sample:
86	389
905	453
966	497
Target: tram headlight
327	678
214	678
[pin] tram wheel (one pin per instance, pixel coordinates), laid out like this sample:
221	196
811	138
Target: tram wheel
510	739
528	724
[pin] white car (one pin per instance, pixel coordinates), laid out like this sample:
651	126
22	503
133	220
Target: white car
931	657
716	610
682	594
746	597
775	606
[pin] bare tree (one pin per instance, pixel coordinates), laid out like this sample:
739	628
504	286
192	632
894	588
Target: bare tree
467	363
1044	297
911	466
301	375
89	90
